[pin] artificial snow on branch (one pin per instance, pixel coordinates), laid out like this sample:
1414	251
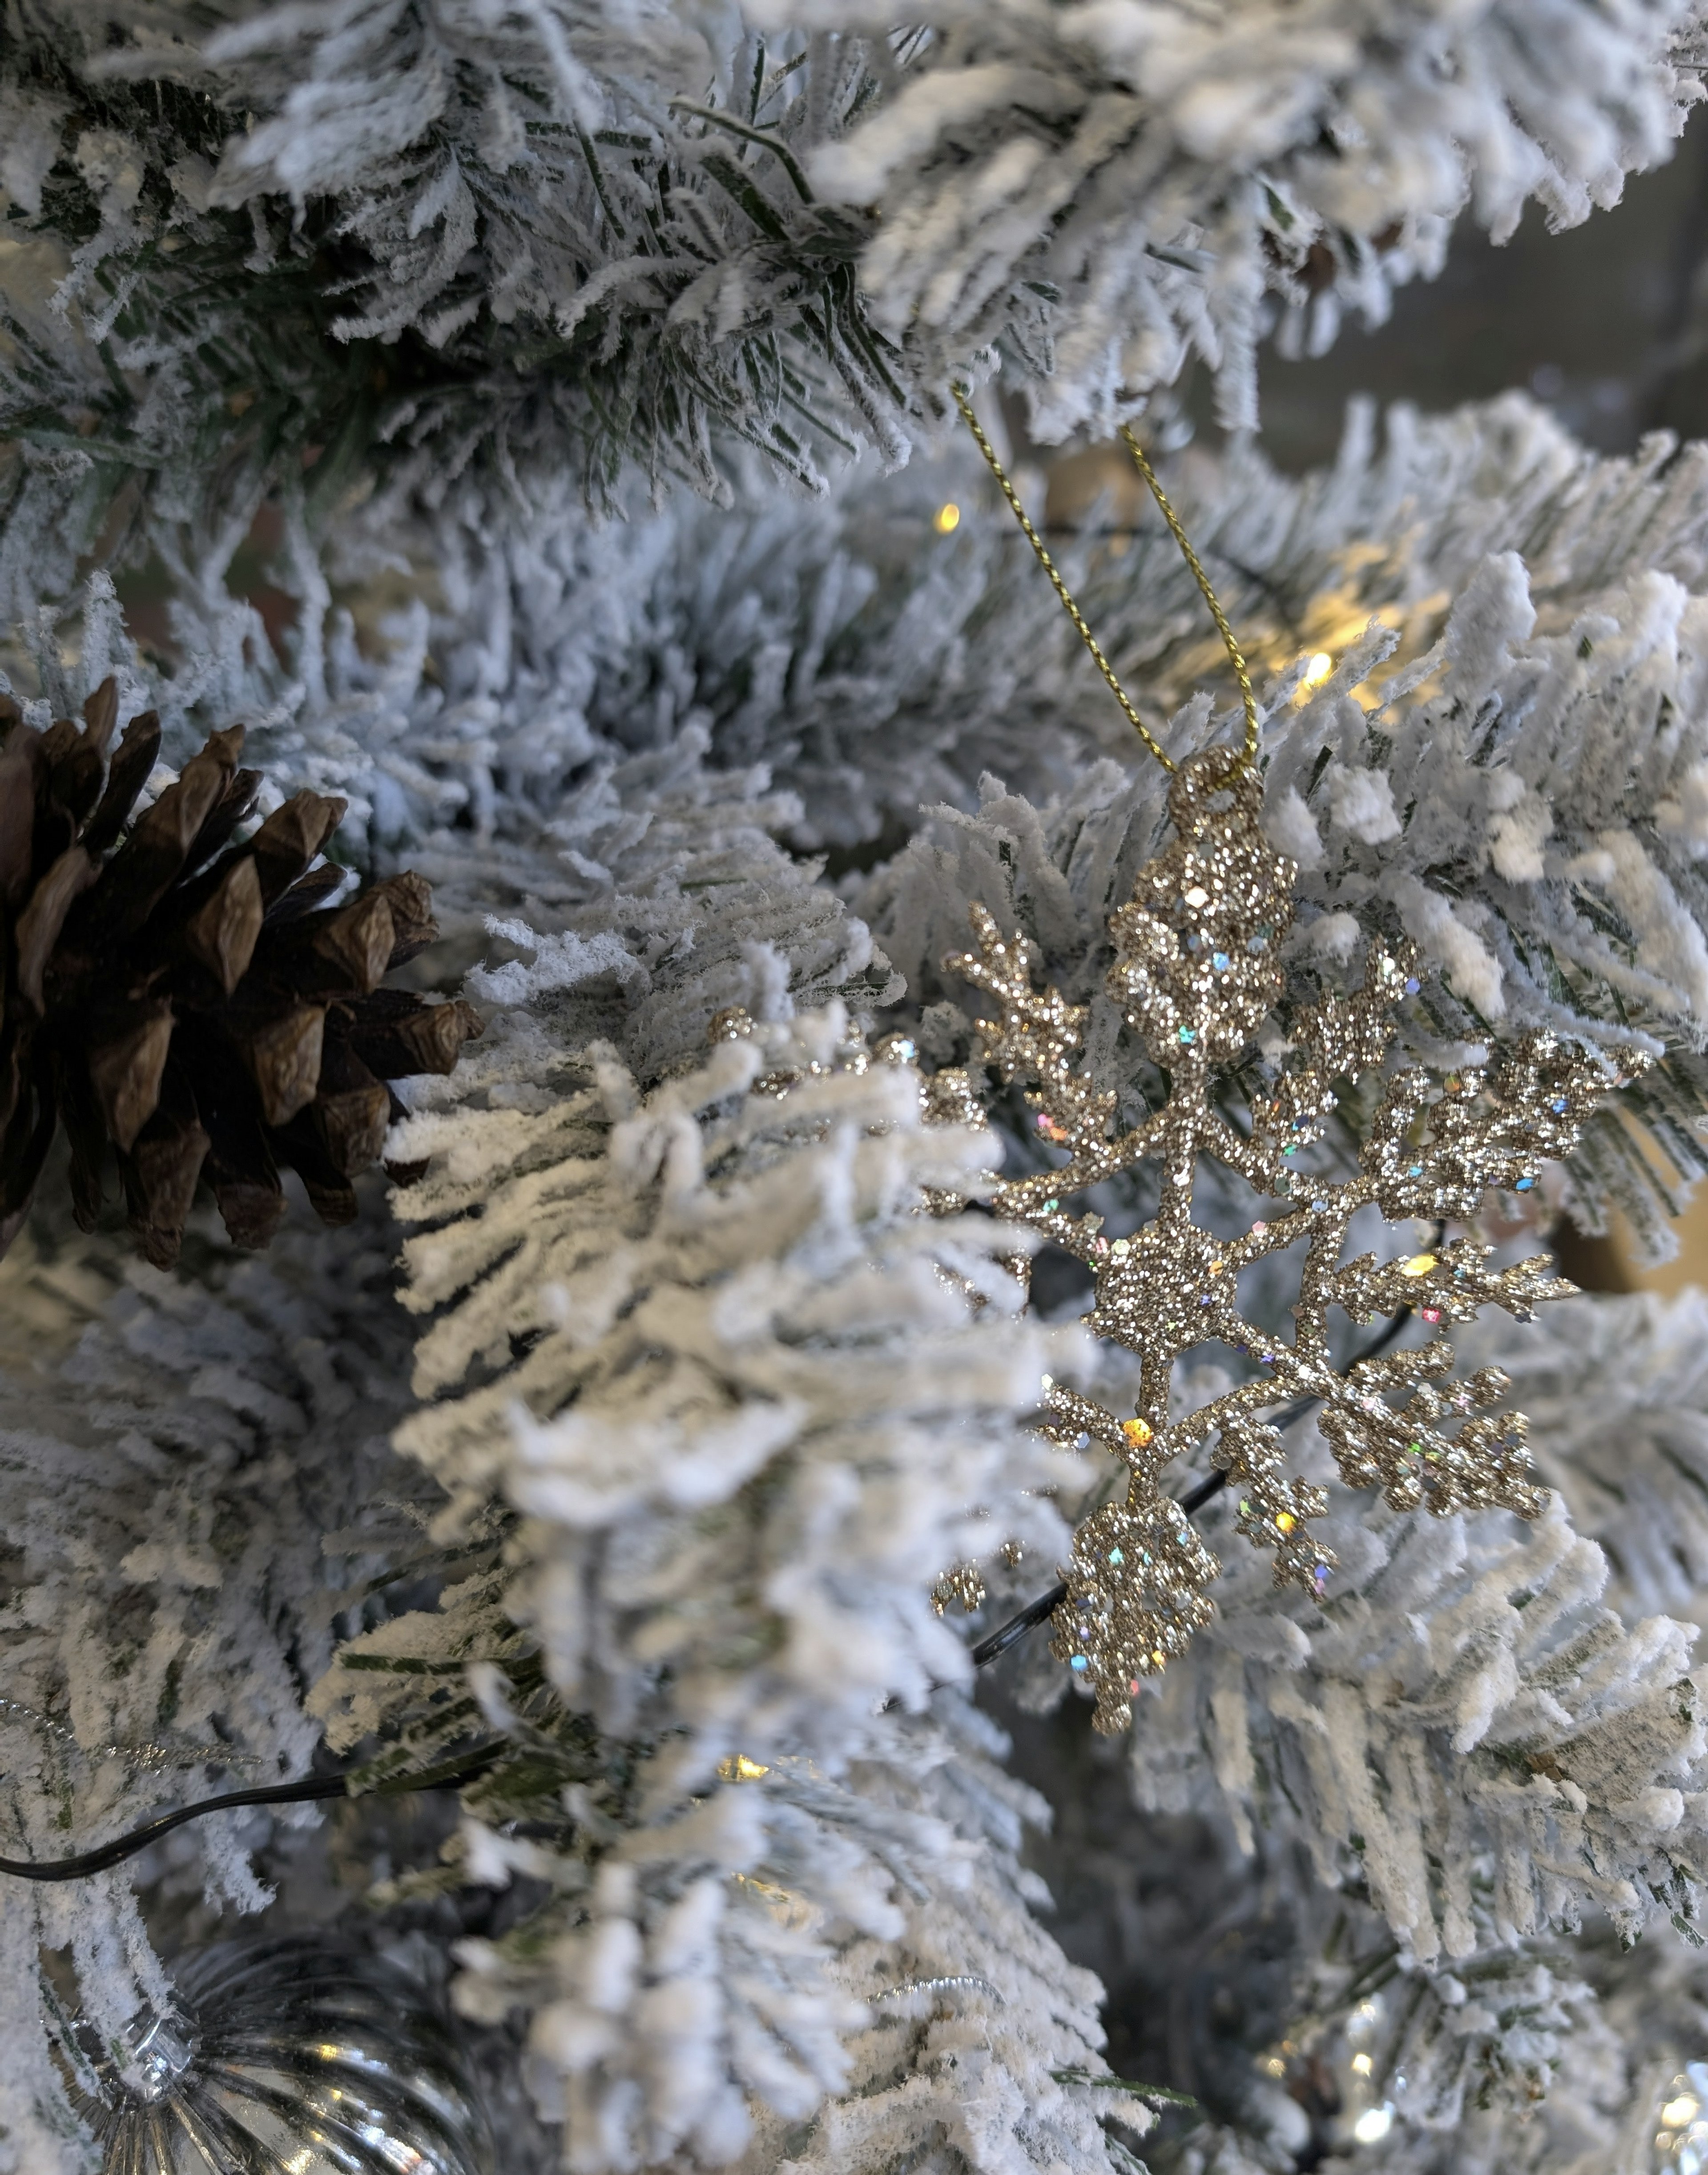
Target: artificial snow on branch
1489	1740
745	1400
1160	171
719	1375
407	238
1504	763
1487	1700
691	1362
189	1472
1616	1385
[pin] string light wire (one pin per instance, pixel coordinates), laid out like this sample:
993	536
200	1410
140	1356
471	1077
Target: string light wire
449	1775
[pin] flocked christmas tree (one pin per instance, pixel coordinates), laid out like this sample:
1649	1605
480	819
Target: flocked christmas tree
534	427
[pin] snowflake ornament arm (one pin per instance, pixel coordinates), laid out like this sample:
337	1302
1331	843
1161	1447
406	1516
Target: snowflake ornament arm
1196	973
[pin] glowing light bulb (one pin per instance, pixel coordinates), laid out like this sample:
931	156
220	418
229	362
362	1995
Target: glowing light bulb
1374	2124
946	519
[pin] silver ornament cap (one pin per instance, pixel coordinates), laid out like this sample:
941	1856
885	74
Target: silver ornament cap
288	2057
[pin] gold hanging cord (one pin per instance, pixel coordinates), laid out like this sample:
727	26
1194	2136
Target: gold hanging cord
1248	754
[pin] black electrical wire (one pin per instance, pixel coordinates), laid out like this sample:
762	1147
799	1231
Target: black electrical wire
452	1773
447	1777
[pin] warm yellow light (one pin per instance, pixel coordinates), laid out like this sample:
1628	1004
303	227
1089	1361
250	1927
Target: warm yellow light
741	1769
1137	1432
1362	2065
1419	1266
1316	672
946	519
1677	2112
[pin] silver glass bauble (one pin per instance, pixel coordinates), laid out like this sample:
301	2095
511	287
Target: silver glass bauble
297	2057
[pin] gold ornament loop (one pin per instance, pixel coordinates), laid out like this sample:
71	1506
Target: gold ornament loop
1244	757
1236	656
1202	781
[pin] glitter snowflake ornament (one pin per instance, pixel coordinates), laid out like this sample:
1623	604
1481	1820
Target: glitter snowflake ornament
1197	973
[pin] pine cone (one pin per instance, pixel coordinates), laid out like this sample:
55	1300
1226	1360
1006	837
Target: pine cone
189	1001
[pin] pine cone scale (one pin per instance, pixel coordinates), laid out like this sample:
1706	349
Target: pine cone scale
127	1072
41	921
251	1212
160	1174
290	837
336	951
241	1168
79	759
284	1059
428	1040
12	1082
306	895
328	1188
411	901
233	805
86	1132
30	1118
139	751
222	933
357	942
99	716
352	1127
76	781
17	826
192	1004
154	856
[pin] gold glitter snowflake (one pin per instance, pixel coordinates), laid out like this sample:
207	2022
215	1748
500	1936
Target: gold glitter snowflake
1197	972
